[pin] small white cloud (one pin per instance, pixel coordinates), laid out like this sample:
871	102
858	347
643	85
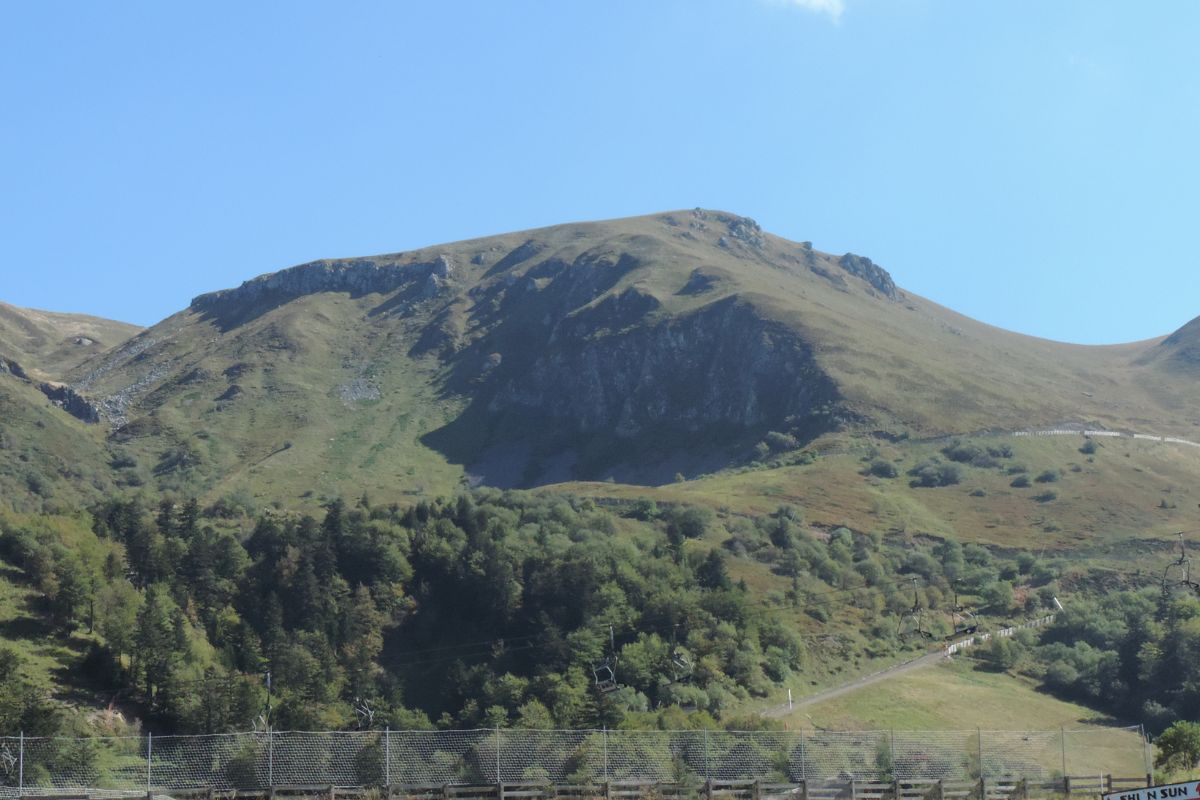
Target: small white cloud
832	8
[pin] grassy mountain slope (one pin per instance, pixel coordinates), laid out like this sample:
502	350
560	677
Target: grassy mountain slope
47	344
633	349
49	460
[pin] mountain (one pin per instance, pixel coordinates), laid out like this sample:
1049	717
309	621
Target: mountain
730	432
629	350
47	344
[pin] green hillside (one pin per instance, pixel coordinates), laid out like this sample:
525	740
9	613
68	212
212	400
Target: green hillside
631	350
748	461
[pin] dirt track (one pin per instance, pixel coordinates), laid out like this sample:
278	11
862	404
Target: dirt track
927	660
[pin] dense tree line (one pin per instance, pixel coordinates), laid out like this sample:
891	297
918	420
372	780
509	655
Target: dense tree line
488	609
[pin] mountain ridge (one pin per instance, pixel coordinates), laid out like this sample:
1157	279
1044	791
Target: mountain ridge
634	349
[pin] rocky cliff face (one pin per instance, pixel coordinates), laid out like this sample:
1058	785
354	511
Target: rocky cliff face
71	401
355	277
565	366
721	368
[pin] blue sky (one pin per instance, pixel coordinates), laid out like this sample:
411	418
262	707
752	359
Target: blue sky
1032	164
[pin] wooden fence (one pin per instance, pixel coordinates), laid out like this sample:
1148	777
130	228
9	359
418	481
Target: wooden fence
993	789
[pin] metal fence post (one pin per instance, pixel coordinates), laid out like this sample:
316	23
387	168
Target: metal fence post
892	750
982	770
1062	732
706	755
803	761
604	741
1146	752
387	756
149	759
21	765
498	778
270	757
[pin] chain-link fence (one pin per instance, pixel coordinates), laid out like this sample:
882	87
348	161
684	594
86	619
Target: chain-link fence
377	758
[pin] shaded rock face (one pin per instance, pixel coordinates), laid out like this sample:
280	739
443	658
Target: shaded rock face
600	395
356	277
722	367
71	401
10	367
869	271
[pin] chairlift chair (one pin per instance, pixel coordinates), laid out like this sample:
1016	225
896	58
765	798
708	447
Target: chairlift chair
606	676
606	670
962	620
1179	571
682	666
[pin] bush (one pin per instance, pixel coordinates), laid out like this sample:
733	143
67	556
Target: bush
883	469
962	452
1089	447
934	473
1046	497
1048	476
1020	482
780	442
1179	747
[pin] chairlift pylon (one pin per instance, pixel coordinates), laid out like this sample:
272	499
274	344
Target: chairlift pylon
912	622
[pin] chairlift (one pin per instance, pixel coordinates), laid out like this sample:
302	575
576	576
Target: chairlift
1179	572
682	666
606	671
961	619
912	622
681	663
606	676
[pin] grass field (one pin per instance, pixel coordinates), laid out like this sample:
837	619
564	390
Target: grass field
958	697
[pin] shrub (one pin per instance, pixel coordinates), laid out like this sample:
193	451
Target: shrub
1089	447
1020	482
934	473
883	469
1046	497
1048	476
1179	747
780	442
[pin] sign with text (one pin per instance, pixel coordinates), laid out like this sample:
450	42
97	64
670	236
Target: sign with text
1172	791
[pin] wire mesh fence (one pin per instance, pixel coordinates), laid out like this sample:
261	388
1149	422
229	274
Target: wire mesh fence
260	760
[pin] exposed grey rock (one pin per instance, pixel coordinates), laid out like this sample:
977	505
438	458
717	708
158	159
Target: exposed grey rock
12	368
745	230
356	277
359	390
720	367
71	401
869	271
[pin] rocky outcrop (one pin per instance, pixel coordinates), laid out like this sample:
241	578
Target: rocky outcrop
71	401
356	277
869	271
721	368
10	367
